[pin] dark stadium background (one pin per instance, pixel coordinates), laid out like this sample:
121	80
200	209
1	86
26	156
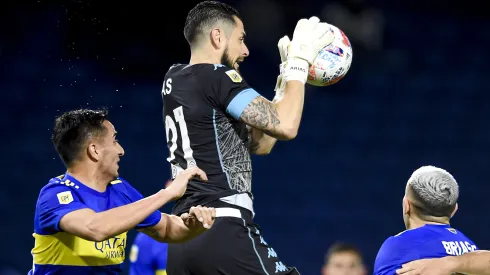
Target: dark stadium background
416	94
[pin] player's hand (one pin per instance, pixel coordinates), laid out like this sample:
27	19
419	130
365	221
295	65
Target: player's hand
199	219
309	38
177	188
439	266
283	46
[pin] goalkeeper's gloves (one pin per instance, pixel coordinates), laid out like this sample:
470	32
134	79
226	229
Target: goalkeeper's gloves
283	46
309	38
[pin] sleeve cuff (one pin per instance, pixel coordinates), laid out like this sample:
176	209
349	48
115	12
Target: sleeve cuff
152	220
240	102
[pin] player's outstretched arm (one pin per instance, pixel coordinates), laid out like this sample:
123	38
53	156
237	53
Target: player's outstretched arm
87	224
281	119
477	262
174	229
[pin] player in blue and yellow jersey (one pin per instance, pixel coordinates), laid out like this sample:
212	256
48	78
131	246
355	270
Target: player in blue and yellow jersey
82	217
430	201
147	256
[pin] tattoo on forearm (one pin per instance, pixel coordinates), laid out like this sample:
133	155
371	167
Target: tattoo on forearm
262	114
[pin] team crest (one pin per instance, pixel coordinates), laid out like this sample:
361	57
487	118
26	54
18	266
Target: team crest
452	230
65	197
234	76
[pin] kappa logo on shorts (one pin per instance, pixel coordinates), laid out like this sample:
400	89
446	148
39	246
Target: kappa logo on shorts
65	197
234	76
280	267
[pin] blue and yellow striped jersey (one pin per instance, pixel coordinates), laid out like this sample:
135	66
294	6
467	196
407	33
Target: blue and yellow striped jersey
428	241
147	256
57	252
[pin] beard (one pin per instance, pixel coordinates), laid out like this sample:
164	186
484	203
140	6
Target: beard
226	60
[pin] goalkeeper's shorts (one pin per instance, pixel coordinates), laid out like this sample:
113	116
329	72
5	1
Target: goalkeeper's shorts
234	245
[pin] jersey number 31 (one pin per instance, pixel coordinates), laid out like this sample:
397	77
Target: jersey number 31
186	144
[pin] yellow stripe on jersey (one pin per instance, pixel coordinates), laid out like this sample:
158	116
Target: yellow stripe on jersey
161	272
65	249
116	181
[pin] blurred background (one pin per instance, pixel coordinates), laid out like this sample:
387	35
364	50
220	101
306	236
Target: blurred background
416	94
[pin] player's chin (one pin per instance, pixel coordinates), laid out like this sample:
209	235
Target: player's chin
116	171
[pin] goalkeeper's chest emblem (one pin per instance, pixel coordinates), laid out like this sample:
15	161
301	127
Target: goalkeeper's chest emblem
234	76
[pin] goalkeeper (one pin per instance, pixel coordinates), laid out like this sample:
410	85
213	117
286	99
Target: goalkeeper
209	98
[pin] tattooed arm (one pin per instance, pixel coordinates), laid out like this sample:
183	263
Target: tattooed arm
259	142
278	120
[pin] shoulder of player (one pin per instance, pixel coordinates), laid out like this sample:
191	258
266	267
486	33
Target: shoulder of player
60	181
399	240
395	249
58	185
174	67
215	70
409	233
403	241
205	68
228	74
119	183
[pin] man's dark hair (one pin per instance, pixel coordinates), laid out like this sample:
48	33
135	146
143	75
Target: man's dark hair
73	129
205	14
340	248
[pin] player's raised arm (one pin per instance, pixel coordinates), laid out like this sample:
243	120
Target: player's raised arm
281	119
93	226
477	262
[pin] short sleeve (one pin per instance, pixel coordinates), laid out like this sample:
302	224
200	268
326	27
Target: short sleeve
234	94
54	202
134	196
160	256
392	254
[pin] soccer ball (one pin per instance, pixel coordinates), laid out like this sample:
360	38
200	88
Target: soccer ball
333	61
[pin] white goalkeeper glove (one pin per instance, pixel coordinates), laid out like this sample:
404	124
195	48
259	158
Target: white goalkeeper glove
283	46
309	38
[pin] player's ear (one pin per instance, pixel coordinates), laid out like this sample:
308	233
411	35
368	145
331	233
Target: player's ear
455	209
216	37
93	151
406	206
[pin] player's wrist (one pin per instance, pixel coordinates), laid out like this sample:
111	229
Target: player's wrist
296	69
164	196
452	264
